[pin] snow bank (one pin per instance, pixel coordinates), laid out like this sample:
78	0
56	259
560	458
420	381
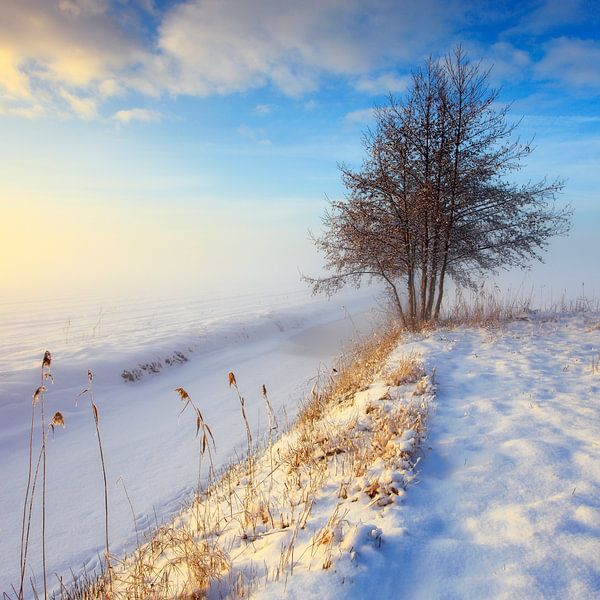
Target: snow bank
321	499
508	500
281	341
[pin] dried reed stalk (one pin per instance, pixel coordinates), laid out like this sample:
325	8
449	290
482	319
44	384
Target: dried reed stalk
202	428
24	537
45	374
233	382
90	391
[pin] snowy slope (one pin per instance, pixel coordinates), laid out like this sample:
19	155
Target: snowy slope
280	340
508	504
507	499
298	508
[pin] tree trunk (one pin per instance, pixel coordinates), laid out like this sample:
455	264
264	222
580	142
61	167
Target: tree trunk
395	294
431	294
423	292
412	299
438	304
398	302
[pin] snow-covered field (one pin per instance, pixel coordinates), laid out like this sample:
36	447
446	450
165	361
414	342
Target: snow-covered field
280	340
506	502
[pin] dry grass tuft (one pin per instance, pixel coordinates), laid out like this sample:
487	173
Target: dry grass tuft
175	563
355	370
421	387
408	370
483	308
594	327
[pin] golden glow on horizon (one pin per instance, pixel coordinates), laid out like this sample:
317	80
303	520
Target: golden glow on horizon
48	245
63	247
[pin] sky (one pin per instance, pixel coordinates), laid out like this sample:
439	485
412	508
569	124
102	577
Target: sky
151	146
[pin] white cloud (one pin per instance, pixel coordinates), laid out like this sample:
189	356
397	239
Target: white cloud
362	115
54	52
551	14
575	62
263	109
208	47
86	108
507	62
88	49
79	7
32	111
148	5
137	114
383	84
14	84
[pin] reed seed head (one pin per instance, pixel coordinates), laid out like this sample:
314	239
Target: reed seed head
57	420
264	390
182	393
46	360
96	413
38	393
90	376
232	380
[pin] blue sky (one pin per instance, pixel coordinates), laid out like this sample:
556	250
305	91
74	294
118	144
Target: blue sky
149	144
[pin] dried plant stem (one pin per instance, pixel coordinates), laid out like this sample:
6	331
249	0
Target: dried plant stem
102	463
233	382
137	537
272	427
44	374
250	459
204	442
96	419
29	516
43	451
27	490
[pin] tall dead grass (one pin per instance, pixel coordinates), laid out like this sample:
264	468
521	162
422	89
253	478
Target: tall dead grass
38	399
273	491
355	369
486	306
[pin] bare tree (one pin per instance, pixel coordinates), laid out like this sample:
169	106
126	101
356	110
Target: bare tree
432	199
